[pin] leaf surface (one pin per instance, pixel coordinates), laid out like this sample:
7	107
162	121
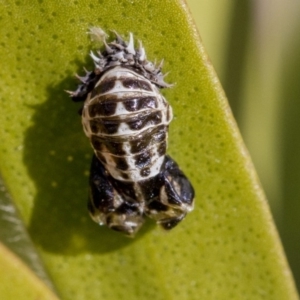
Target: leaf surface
18	281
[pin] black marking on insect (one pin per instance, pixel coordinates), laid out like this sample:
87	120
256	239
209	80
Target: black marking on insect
126	119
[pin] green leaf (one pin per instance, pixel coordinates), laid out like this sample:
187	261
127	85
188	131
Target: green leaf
18	282
227	248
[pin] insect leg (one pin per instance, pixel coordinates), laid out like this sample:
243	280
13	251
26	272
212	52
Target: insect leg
176	196
108	206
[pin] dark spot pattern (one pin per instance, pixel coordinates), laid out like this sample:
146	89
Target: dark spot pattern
151	135
104	126
157	206
126	188
131	104
124	175
121	163
142	120
104	86
97	143
105	145
161	149
172	222
143	159
145	172
136	104
132	83
94	127
115	148
102	109
139	145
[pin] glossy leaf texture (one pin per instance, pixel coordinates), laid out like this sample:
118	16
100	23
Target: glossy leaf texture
227	248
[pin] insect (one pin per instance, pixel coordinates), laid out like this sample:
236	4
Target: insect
126	120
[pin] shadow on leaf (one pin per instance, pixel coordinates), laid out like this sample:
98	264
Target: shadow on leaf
58	155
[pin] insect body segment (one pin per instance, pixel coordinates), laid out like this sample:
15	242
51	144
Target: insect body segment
126	119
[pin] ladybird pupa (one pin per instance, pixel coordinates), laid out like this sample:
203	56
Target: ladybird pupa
126	119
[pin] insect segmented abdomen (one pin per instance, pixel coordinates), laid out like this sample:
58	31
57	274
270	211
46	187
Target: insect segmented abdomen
126	119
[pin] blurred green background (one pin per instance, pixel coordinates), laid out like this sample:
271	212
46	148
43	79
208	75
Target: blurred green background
255	49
